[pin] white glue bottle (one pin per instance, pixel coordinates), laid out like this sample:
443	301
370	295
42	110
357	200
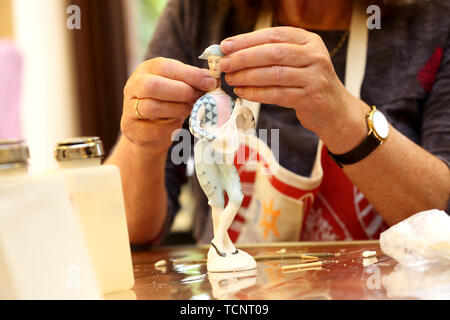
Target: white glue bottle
43	254
97	199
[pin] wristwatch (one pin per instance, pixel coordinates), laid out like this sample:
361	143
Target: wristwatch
378	133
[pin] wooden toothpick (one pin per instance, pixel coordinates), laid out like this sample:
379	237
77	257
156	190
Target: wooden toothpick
303	265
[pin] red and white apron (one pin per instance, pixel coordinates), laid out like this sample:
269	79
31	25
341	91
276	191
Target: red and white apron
280	205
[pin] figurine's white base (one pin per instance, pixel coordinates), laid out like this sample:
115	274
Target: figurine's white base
232	262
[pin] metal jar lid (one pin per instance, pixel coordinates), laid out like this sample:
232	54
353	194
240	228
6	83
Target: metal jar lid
14	152
79	148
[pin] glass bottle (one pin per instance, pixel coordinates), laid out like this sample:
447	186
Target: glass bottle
97	199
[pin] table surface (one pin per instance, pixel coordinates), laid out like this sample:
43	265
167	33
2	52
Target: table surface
345	274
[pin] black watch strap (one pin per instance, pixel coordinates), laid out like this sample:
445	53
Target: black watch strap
370	143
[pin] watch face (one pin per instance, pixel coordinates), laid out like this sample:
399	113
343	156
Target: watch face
380	124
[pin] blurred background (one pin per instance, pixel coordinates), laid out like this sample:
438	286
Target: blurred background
60	80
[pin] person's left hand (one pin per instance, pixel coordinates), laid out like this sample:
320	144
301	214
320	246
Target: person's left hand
292	68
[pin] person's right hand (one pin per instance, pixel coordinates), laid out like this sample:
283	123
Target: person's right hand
166	90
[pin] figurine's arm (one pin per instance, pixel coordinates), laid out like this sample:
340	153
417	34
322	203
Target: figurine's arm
245	118
197	114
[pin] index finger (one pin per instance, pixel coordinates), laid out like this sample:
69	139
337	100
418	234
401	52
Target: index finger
263	36
176	70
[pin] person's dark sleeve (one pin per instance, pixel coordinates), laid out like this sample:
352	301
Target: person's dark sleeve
169	41
436	114
170	38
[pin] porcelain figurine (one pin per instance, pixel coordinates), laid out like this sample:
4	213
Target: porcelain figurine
219	122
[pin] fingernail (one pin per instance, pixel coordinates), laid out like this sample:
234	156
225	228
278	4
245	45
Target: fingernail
227	46
209	83
229	79
225	64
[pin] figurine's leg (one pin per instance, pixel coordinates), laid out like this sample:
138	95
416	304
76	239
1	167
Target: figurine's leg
216	212
208	175
209	179
232	185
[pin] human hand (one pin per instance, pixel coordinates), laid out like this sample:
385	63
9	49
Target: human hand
166	90
292	68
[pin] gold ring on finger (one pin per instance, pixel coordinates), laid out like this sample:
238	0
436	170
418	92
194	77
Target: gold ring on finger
136	110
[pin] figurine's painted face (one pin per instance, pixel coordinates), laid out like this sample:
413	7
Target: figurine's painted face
213	62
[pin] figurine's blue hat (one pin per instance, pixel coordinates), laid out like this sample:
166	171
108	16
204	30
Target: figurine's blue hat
212	50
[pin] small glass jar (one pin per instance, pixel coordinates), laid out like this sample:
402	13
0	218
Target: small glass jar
14	157
79	152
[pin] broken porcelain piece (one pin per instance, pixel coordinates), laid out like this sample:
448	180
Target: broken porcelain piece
368	254
421	245
218	122
420	240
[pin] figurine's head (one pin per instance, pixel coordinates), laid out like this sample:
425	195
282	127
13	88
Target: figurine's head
213	54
